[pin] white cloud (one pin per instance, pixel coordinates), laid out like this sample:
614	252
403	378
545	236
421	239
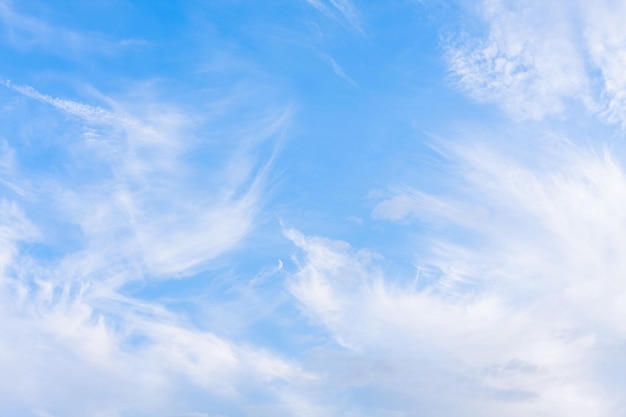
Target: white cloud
536	58
143	208
125	203
518	312
605	39
26	33
342	11
339	72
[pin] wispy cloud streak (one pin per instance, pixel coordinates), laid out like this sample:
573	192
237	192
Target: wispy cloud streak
133	210
342	11
27	32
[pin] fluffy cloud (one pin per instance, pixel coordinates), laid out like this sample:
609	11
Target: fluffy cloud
537	58
516	305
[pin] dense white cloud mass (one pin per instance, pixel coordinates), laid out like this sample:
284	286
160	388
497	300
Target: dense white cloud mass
535	58
524	320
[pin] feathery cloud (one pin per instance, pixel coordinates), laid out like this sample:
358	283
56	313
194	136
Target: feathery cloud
518	314
342	11
132	210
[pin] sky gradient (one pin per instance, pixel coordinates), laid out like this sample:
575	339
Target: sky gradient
312	208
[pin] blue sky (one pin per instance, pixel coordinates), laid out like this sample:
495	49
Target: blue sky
312	208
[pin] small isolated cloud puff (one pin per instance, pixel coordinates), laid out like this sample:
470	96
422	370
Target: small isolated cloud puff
535	58
525	320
